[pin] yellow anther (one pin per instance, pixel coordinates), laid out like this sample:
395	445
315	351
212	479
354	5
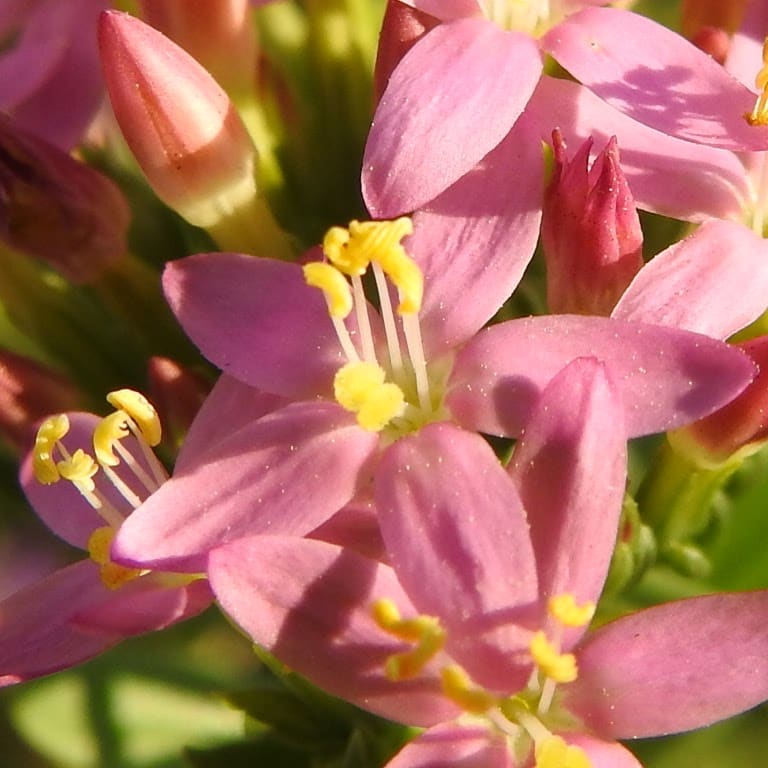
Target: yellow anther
141	411
403	271
563	608
79	469
113	576
759	113
333	284
49	433
360	388
458	686
108	431
424	631
553	752
560	667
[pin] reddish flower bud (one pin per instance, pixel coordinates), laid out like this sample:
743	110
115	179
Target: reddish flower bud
178	121
58	209
696	14
590	231
714	41
742	424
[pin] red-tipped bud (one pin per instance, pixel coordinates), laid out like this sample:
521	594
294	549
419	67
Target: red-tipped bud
742	424
220	35
57	209
178	121
714	41
402	28
177	393
30	391
696	14
590	231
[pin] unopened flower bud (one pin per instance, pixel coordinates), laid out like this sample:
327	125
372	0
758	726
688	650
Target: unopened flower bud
590	231
57	209
697	14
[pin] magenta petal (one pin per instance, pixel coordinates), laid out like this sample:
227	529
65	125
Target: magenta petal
714	282
570	469
475	240
655	76
666	175
451	99
309	603
285	473
36	633
458	540
257	320
674	667
454	746
446	10
666	377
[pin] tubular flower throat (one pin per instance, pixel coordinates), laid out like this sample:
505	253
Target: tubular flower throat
96	476
528	718
397	394
531	16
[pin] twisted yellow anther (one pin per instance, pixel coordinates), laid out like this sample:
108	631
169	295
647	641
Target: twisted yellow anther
141	411
553	752
560	667
113	576
50	432
79	469
361	388
333	284
563	608
458	686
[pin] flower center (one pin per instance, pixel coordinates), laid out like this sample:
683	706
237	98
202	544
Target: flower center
97	478
391	391
531	16
527	718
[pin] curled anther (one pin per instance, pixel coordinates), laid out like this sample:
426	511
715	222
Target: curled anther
141	411
44	466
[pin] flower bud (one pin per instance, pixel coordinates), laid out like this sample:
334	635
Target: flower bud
590	231
57	209
698	14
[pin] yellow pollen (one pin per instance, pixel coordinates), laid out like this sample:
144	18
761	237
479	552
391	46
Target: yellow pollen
113	576
361	388
403	271
49	433
458	686
564	609
560	667
759	113
108	431
140	410
424	631
79	469
333	284
553	752
352	250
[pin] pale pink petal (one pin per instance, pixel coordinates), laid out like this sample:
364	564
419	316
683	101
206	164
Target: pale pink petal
451	99
309	603
745	53
666	175
714	282
475	240
603	754
355	526
454	746
570	469
674	667
666	377
655	76
257	320
285	473
458	540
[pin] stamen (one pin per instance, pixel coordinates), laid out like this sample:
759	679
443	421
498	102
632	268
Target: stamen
48	435
79	469
458	686
560	667
108	431
113	576
363	321
564	609
412	331
361	388
553	752
759	114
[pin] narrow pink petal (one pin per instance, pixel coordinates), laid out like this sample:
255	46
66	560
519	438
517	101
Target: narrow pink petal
458	540
454	746
674	667
570	469
603	754
257	320
309	603
666	175
451	99
666	377
656	77
355	526
475	240
715	282
36	634
285	473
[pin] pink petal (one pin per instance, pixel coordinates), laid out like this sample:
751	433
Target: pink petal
666	377
454	746
446	10
674	667
355	526
656	77
475	240
309	603
603	754
745	53
458	539
570	469
666	175
714	282
451	99
285	473
257	320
